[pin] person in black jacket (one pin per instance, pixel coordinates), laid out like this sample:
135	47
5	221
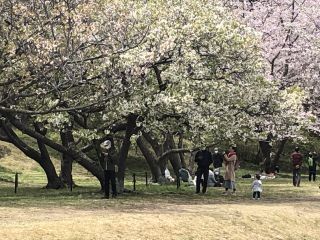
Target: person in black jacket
217	159
203	158
312	163
107	161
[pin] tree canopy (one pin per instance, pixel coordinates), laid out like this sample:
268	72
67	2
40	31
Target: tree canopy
94	68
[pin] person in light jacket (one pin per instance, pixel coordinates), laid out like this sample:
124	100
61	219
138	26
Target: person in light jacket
256	188
230	160
312	164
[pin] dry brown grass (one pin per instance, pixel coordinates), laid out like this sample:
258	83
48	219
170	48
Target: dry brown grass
242	220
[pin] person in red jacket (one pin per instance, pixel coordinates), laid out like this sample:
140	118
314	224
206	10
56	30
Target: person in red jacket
296	158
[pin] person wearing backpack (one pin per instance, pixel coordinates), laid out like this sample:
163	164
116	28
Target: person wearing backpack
312	164
296	158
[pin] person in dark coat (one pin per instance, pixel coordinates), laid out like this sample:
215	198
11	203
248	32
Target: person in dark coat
107	161
217	159
296	158
203	158
312	164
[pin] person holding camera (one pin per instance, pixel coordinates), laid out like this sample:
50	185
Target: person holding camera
230	161
107	161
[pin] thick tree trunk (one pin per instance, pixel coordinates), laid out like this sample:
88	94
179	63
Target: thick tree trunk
53	180
279	152
163	162
181	154
46	163
66	160
192	162
123	154
150	158
174	157
124	150
266	150
157	148
93	167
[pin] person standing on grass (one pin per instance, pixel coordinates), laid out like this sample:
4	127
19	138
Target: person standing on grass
230	160
217	159
312	164
256	188
108	164
203	158
296	158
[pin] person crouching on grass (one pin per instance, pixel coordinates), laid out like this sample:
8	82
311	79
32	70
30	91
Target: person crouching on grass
256	188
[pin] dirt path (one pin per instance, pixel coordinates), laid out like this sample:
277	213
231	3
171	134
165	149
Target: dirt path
247	220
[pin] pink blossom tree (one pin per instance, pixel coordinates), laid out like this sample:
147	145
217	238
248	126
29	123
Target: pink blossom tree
290	32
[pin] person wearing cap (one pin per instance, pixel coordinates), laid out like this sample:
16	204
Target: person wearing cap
296	159
107	162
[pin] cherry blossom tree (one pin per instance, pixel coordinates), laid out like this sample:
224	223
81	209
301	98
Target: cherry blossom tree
289	32
89	69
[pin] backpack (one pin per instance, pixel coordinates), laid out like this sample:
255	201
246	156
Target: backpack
184	174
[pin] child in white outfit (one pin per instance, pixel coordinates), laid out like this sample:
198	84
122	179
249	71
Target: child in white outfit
256	188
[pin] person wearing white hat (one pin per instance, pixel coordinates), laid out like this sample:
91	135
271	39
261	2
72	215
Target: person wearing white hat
108	165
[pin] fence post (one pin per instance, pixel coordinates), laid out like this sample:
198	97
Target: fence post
134	181
16	183
146	179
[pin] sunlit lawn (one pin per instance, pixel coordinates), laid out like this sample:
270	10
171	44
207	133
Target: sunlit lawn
158	212
31	193
153	211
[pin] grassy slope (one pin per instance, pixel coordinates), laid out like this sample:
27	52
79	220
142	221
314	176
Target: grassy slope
30	172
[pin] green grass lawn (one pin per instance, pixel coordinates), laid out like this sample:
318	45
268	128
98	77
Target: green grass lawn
31	193
32	179
153	211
